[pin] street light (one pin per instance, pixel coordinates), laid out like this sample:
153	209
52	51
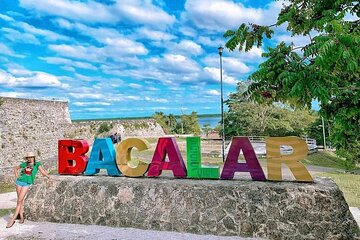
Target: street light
220	49
323	128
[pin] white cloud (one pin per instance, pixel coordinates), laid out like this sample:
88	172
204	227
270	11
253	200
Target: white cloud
13	94
210	42
175	63
5	50
135	86
137	11
185	46
152	89
235	65
36	79
40	79
298	41
146	33
135	98
115	44
93	109
17	70
123	46
253	55
47	34
144	12
214	74
84	104
89	53
90	11
68	63
188	31
350	17
158	100
6	18
6	78
78	95
213	92
230	64
220	15
17	36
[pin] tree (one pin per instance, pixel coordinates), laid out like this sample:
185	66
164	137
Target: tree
163	121
206	129
246	117
188	124
326	69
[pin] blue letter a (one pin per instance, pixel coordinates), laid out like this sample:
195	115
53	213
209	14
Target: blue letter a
102	157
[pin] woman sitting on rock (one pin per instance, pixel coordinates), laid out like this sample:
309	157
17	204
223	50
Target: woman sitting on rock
28	171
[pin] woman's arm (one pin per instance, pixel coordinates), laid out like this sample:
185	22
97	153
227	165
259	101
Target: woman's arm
16	171
43	172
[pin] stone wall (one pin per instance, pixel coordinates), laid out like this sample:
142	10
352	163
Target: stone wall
30	125
271	210
37	125
126	128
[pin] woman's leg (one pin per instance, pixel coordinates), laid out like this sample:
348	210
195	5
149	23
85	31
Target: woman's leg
18	188
22	208
20	200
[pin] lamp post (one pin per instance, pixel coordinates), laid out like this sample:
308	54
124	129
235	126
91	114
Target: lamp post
220	49
323	128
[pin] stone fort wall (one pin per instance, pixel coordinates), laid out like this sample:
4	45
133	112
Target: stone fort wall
37	125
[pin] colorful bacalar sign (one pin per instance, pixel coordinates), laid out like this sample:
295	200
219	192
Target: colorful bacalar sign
73	161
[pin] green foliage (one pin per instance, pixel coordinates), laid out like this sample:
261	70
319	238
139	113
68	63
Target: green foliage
188	124
206	129
166	122
244	38
248	118
326	69
104	127
349	184
325	159
316	132
6	187
135	125
6	212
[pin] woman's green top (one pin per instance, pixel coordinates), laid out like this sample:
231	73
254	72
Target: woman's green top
28	172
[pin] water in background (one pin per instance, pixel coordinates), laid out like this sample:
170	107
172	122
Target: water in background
213	121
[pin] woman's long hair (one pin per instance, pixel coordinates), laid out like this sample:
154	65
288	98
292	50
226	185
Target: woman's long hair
27	162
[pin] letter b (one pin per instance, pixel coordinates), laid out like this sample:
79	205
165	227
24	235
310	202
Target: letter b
71	156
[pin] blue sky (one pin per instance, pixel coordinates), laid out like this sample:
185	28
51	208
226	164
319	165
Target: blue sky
122	58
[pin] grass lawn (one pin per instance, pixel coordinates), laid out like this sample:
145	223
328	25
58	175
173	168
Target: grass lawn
325	159
4	212
6	187
349	184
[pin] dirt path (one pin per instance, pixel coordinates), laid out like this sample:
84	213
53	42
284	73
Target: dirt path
46	230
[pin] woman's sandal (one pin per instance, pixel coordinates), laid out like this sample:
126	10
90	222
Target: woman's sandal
22	220
7	226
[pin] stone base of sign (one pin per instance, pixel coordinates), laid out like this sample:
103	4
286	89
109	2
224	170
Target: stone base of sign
271	210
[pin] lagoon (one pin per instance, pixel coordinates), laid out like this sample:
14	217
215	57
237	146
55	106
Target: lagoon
213	121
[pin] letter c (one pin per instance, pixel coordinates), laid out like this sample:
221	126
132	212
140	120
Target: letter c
128	167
